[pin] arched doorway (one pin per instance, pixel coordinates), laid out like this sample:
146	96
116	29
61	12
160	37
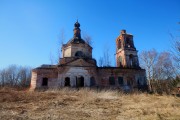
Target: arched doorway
80	81
92	81
67	82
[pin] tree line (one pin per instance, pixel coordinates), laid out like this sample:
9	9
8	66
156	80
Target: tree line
161	70
15	75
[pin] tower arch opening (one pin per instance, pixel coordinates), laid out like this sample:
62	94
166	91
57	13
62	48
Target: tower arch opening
131	62
79	54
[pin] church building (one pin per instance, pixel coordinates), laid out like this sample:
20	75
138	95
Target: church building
77	68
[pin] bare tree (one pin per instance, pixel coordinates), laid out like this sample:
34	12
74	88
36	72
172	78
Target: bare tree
12	75
87	39
176	52
105	60
159	66
164	68
148	60
106	57
2	77
24	76
51	58
54	59
60	44
15	76
61	37
101	62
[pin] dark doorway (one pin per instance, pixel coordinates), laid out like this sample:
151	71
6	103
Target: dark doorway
92	81
120	80
80	82
45	82
67	82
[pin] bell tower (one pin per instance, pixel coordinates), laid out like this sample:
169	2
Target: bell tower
126	53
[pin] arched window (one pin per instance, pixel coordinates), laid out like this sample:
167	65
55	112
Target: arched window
92	81
67	82
45	81
128	42
131	64
79	54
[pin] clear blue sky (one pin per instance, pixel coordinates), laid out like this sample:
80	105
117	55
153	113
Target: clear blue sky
29	29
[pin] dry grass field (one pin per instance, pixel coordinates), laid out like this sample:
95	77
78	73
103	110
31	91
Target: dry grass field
85	104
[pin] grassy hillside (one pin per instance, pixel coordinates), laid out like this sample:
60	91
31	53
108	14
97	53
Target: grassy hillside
85	104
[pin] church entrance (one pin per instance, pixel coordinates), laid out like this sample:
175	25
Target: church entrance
80	81
67	82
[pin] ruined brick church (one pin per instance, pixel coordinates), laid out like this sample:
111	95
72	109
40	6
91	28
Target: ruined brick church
77	68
